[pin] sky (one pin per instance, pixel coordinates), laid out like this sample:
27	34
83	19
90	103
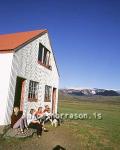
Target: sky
85	36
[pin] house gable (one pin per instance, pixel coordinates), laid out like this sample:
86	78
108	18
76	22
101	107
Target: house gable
15	41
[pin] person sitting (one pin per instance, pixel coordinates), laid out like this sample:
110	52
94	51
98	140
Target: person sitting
47	113
46	109
39	113
41	117
34	123
18	120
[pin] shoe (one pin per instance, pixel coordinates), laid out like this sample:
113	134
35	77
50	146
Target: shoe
39	136
45	130
27	128
22	131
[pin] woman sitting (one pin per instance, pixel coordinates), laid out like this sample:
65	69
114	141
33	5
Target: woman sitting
39	113
34	123
41	117
18	120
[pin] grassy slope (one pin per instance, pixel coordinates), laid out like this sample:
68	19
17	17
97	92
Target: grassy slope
78	134
94	133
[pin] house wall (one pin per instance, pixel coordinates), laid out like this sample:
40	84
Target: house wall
25	64
5	69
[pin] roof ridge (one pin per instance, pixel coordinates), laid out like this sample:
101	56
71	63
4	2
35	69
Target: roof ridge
1	34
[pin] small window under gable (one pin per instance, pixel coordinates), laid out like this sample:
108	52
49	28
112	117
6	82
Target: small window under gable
40	52
44	56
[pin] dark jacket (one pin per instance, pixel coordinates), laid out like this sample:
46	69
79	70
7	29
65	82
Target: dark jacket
15	118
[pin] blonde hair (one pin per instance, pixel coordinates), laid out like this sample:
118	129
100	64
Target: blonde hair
16	110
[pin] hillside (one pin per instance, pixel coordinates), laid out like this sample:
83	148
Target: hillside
94	98
90	92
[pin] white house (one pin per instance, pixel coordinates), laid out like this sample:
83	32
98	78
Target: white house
29	76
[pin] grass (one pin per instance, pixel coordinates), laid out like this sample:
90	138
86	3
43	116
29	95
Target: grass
79	134
94	133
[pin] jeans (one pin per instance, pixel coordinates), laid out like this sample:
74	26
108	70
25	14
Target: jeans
36	126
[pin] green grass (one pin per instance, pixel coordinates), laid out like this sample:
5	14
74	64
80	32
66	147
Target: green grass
94	133
86	134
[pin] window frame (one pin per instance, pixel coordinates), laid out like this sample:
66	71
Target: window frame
33	91
49	93
44	52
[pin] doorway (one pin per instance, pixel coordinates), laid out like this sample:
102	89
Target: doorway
53	100
19	93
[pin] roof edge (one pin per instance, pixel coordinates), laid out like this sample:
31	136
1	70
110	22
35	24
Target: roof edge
53	54
30	40
26	42
6	51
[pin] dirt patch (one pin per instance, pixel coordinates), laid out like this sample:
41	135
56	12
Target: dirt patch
48	141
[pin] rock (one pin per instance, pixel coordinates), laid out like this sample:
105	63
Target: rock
16	133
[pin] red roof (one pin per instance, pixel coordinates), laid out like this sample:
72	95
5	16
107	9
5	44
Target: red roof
9	42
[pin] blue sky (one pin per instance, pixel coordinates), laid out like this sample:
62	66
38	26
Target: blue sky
85	35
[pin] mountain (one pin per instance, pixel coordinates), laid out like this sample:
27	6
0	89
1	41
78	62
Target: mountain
108	93
90	92
118	91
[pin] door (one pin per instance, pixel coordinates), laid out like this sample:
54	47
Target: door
53	100
19	93
22	95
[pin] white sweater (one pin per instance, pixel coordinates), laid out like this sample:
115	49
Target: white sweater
31	118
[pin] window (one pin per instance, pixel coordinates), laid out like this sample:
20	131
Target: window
44	56
33	91
40	52
48	90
